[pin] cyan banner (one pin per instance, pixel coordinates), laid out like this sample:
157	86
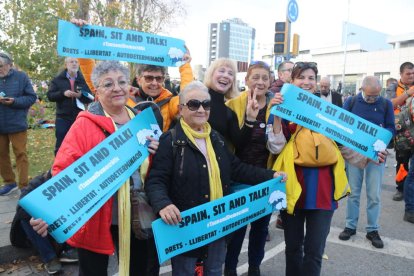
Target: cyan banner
98	42
208	222
70	198
310	111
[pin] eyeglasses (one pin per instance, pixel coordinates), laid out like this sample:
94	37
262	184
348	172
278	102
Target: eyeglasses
109	85
149	78
287	70
260	63
369	98
194	105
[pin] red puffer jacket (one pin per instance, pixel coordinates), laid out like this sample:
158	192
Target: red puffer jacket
86	133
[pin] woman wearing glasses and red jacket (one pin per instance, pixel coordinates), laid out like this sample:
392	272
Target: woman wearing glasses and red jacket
313	188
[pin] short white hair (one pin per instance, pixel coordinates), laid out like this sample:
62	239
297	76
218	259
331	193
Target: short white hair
194	85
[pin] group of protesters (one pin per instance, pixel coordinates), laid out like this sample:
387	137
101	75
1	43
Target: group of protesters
223	137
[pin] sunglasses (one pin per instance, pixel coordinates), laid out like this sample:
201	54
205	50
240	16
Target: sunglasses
260	63
194	105
149	78
301	64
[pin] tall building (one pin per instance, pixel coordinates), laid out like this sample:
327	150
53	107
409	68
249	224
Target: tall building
231	38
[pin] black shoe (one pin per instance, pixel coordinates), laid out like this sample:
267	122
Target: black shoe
375	239
409	216
53	266
230	272
398	196
69	256
253	271
346	234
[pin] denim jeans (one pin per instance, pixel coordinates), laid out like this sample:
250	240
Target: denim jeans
373	180
257	241
304	252
184	266
409	188
41	244
62	127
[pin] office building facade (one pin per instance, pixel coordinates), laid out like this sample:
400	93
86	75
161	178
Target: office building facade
234	39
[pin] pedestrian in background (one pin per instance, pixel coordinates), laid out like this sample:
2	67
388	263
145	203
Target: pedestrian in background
16	97
399	93
70	92
372	107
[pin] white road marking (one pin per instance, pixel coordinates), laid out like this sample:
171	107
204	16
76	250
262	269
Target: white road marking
393	247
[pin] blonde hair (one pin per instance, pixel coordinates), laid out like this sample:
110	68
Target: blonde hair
208	78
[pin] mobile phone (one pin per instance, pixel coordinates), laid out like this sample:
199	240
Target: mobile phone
2	94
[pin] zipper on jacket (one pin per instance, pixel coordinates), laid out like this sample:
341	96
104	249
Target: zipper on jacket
182	161
317	152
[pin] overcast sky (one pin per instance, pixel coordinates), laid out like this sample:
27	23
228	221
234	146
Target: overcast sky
319	22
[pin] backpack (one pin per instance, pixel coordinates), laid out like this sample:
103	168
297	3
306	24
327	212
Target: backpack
384	102
404	126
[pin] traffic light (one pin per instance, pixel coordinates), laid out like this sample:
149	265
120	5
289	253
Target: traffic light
281	39
295	47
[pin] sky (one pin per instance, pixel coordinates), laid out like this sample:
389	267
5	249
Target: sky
319	23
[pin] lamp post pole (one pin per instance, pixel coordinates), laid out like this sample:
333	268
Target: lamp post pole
345	52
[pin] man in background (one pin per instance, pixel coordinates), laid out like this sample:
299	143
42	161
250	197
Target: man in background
16	97
328	95
283	72
403	91
69	90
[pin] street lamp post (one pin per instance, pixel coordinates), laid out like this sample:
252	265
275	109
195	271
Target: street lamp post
345	51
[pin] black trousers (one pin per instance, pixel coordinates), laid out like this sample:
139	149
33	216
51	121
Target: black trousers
143	260
402	157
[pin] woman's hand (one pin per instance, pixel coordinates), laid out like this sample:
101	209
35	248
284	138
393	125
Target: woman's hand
382	156
40	226
283	174
79	22
252	108
187	56
170	214
153	145
277	99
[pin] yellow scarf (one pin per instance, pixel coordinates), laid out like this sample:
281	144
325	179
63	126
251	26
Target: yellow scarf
124	219
216	190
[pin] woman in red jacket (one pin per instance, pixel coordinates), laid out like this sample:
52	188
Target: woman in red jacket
95	240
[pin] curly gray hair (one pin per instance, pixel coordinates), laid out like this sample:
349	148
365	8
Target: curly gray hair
105	67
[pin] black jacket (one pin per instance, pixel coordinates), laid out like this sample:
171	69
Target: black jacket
224	120
336	99
182	179
66	107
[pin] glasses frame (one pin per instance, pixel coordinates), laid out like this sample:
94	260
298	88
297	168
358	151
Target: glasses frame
159	79
109	88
